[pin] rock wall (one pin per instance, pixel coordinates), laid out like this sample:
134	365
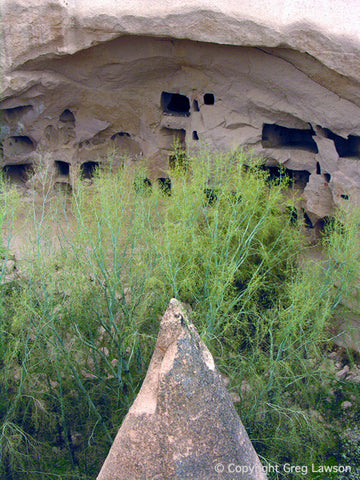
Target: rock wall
84	85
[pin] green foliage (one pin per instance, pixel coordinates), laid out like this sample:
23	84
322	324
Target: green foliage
80	321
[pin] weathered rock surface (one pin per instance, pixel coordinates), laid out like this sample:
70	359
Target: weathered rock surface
82	81
182	424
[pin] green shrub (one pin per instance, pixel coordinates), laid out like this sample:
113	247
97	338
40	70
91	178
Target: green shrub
79	326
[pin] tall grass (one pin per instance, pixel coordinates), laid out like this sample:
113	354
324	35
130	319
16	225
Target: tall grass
79	324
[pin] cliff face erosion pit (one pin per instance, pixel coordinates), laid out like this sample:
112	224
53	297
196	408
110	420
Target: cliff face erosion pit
82	87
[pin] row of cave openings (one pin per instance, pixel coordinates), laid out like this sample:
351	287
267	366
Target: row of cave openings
144	187
176	104
19	174
273	135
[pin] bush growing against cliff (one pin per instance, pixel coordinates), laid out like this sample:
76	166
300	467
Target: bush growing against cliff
80	324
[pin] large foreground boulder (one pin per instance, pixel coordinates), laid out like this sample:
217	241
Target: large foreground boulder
182	424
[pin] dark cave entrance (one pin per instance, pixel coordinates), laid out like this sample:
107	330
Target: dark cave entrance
276	174
308	222
119	135
67	117
276	136
143	186
18	174
88	169
62	168
165	185
209	99
196	106
175	104
345	147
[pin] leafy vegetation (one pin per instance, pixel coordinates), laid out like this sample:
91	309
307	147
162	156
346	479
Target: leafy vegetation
80	314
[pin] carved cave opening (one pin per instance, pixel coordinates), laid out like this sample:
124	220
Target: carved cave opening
276	136
209	99
62	168
345	147
195	135
120	134
175	104
88	169
178	160
143	186
18	174
297	178
67	117
323	223
308	222
165	185
196	106
327	177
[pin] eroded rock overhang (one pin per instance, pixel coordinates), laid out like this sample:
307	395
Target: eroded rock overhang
80	85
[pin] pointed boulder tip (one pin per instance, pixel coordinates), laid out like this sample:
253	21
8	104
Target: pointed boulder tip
183	424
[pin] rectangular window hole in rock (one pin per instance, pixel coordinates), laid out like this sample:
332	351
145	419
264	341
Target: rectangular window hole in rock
195	135
62	168
175	104
209	99
276	136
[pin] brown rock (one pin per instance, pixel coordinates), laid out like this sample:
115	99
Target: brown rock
82	82
182	424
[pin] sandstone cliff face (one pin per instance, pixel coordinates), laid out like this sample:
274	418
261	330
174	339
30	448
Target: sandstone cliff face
81	82
182	424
